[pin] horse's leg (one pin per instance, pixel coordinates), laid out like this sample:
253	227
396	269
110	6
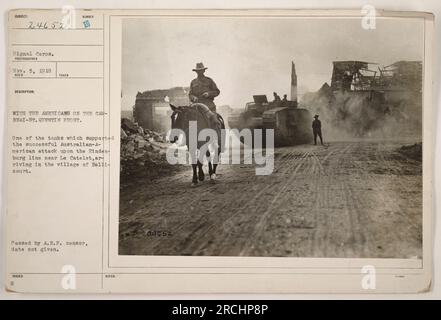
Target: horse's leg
211	167
216	159
201	171
194	181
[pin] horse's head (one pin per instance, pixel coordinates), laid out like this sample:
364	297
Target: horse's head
180	118
176	121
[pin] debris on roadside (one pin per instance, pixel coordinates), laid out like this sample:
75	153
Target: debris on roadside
142	152
414	151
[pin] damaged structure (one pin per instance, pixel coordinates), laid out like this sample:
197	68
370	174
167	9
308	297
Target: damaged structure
152	112
362	76
364	97
351	76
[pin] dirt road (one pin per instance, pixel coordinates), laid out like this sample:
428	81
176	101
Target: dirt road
348	199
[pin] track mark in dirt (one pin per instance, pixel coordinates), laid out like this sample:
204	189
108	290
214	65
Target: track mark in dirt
260	225
253	208
330	210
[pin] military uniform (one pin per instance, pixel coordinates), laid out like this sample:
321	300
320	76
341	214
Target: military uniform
199	86
317	130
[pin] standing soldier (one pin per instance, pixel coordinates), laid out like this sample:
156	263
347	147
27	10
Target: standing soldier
317	129
203	89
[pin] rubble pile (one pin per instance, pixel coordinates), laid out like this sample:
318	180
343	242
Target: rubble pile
414	151
142	152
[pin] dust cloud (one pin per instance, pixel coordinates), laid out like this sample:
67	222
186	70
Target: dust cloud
365	114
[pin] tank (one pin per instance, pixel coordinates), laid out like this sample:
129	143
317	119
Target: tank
291	125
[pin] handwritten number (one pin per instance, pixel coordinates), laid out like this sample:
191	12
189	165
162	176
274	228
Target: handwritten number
45	25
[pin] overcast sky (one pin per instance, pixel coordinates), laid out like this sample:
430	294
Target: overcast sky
247	56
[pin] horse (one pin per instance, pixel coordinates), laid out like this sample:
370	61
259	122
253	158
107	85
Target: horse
205	119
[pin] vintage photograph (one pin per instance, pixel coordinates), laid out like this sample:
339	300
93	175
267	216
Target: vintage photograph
317	148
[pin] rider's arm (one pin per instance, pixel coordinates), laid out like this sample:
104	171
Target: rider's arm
214	91
191	95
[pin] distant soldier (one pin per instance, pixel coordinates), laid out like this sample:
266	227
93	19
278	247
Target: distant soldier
203	89
276	97
285	100
317	129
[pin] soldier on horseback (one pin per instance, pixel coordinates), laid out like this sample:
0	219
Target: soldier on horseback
203	89
201	111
